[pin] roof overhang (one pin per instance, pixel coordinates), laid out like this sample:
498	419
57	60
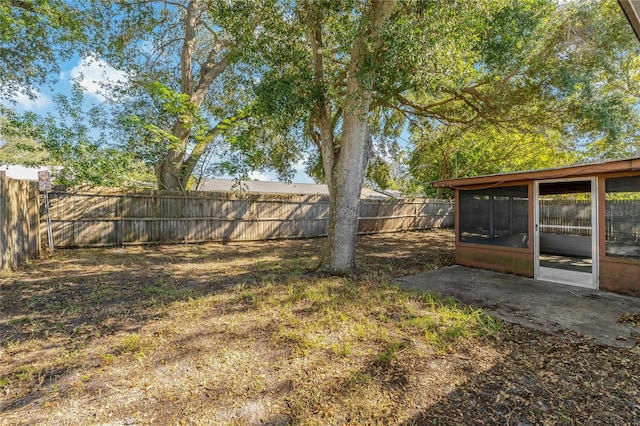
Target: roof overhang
631	9
569	172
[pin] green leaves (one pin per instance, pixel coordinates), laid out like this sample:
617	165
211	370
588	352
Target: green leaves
551	84
74	142
34	37
471	78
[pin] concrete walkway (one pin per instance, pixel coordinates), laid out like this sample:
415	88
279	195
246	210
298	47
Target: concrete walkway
540	305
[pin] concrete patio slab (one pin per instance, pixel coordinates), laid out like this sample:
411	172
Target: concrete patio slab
541	305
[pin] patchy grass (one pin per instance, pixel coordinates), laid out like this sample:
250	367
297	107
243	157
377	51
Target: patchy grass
241	334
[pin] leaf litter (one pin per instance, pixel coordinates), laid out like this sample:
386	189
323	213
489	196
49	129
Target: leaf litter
241	334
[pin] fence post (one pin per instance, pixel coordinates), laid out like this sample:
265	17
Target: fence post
3	220
34	214
119	238
120	213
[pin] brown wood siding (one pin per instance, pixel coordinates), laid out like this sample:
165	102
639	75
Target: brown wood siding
583	170
616	274
601	228
620	275
500	259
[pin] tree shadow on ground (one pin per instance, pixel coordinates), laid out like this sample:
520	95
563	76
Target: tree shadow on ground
78	298
544	379
540	379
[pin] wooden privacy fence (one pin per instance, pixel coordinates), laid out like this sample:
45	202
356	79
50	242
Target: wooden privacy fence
622	217
567	212
622	220
109	217
19	217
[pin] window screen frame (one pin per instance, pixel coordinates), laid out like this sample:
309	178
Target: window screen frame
521	192
611	186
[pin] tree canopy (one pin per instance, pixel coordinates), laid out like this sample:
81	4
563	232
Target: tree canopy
35	36
192	68
232	84
568	95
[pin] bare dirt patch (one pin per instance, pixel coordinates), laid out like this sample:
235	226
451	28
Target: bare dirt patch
241	334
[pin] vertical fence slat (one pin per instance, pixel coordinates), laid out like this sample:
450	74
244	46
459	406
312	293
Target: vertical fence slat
108	217
19	221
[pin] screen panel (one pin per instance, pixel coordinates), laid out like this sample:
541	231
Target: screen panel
622	217
495	216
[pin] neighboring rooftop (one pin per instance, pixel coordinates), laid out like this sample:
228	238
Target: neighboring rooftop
16	171
261	187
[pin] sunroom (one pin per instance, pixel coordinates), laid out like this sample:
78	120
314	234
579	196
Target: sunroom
576	225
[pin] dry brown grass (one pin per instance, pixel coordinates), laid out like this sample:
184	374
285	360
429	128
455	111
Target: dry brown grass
241	334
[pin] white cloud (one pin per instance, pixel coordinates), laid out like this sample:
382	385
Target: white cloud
300	167
258	176
39	102
94	74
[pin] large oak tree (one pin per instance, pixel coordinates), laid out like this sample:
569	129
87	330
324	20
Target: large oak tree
192	67
367	62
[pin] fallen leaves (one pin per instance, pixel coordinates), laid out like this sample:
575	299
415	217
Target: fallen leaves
632	318
225	339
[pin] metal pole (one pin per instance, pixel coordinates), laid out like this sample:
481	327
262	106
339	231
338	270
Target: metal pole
49	232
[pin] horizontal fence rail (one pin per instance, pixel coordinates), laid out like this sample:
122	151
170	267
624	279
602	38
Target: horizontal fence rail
573	217
109	217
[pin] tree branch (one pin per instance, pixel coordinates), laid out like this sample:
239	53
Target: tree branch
468	103
425	108
29	7
322	106
428	113
201	146
170	3
163	46
313	134
188	47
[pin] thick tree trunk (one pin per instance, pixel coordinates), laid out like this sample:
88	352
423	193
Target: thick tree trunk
169	170
173	171
349	166
344	195
169	173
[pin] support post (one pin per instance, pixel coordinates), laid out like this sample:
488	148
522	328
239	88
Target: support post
49	231
491	217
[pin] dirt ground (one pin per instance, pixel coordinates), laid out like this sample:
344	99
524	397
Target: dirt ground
242	334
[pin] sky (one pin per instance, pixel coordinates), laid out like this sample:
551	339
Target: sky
94	72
